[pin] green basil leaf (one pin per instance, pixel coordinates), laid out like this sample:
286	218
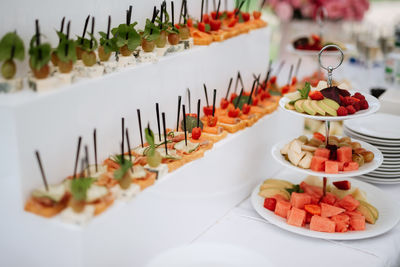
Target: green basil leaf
79	188
119	173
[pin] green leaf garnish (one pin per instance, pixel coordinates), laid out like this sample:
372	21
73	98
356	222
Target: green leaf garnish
126	35
305	91
39	54
296	188
108	44
66	50
124	167
151	31
79	188
11	46
84	43
191	122
243	100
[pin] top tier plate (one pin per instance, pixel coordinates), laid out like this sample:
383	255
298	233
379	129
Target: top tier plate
373	102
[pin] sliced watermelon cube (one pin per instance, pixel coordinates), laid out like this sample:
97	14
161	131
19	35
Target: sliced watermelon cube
322	152
341	165
282	208
308	217
329	198
357	223
314	191
349	203
298	200
342	222
322	224
318	164
345	154
296	217
350	166
331	166
329	210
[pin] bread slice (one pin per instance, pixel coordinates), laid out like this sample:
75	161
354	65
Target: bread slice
34	206
102	204
147	181
233	128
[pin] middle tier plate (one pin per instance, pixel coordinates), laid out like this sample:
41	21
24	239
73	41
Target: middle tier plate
366	168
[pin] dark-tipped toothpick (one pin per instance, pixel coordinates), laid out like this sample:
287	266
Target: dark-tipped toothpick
61	28
214	98
252	90
42	170
297	67
179	110
87	160
140	127
184	123
229	88
290	75
165	133
129	147
202	7
78	149
206	94
158	122
95	148
198	113
84	29
123	130
108	27
238	99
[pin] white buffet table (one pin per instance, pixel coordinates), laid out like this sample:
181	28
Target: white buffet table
243	227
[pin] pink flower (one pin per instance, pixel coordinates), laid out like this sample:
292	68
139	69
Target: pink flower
284	11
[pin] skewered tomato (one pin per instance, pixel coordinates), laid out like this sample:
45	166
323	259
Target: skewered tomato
212	120
196	133
224	103
233	113
246	108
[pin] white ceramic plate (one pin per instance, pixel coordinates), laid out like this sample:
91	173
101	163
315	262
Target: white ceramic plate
377	126
389	214
210	255
382	142
378	181
290	48
366	168
373	102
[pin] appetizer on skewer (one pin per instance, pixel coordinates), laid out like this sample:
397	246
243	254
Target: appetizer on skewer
39	55
66	52
11	47
107	44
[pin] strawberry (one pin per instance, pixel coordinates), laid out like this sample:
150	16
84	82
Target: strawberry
224	103
342	185
348	100
201	26
256	14
359	96
351	109
364	104
341	99
215	24
356	106
246	109
270	203
196	133
342	111
246	16
316	95
319	136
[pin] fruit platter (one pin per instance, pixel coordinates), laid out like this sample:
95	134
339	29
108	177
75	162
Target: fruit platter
341	157
347	208
329	103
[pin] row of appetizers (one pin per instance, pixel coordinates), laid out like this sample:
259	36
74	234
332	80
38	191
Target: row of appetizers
88	57
92	189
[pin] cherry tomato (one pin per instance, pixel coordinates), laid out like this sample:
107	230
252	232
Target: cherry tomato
194	115
256	14
196	133
206	18
230	14
294	80
215	24
189	22
201	26
246	108
212	120
285	89
233	113
273	79
207	110
265	95
254	101
246	16
233	96
233	22
224	103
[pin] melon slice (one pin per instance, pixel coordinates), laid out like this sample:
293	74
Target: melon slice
329	210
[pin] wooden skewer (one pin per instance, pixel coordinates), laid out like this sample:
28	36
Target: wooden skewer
41	170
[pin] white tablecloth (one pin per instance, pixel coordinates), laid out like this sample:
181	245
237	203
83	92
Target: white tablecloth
243	227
